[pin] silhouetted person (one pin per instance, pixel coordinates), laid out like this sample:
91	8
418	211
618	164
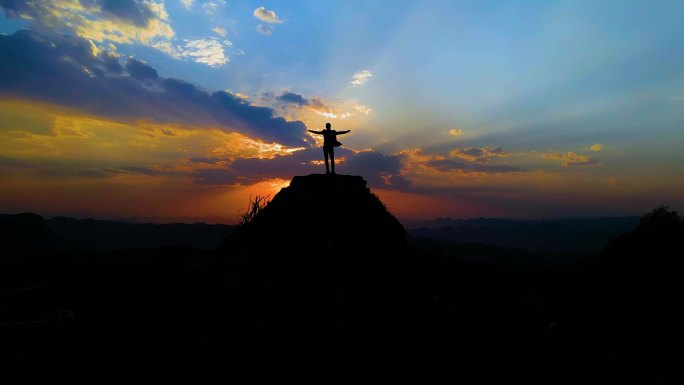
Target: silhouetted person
329	143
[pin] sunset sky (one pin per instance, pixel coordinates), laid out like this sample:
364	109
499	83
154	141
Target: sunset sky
179	110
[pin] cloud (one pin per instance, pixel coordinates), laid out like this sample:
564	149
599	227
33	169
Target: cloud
363	109
450	164
264	30
318	105
596	147
220	31
187	3
299	101
143	22
205	160
571	159
143	170
480	155
99	174
140	70
66	71
267	16
292	98
380	170
207	51
14	163
210	8
138	12
416	162
111	64
361	77
288	101
455	132
115	21
105	173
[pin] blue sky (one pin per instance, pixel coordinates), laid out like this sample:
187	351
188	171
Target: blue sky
584	100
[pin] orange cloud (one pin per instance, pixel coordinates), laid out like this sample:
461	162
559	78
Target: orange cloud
100	168
43	132
571	159
480	155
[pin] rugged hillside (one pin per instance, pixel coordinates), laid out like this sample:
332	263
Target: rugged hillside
319	255
103	236
321	216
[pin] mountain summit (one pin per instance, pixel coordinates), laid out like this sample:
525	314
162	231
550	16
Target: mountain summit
321	216
319	254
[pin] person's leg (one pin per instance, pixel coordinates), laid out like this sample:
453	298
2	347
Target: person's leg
325	154
332	159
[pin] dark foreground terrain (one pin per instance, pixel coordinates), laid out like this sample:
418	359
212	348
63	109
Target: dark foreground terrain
305	282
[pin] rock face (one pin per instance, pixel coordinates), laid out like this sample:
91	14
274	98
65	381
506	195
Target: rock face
321	216
318	255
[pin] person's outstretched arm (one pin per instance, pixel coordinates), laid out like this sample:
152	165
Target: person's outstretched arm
316	132
342	132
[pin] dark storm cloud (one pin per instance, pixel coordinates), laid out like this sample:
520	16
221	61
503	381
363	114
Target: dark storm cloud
143	171
252	170
478	154
297	100
14	163
398	182
111	63
136	11
449	165
105	173
378	169
99	174
292	98
317	104
215	177
64	70
373	166
140	70
133	11
16	8
205	160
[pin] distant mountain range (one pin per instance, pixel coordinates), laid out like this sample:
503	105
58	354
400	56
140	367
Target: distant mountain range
30	231
557	235
554	235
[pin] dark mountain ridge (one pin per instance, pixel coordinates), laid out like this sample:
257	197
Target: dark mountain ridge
102	235
588	235
554	235
27	232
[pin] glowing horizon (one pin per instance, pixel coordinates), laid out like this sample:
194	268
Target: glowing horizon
179	111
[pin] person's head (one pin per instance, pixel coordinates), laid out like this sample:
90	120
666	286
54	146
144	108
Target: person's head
327	126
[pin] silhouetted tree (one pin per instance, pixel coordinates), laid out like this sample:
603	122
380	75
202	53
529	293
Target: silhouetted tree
660	218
